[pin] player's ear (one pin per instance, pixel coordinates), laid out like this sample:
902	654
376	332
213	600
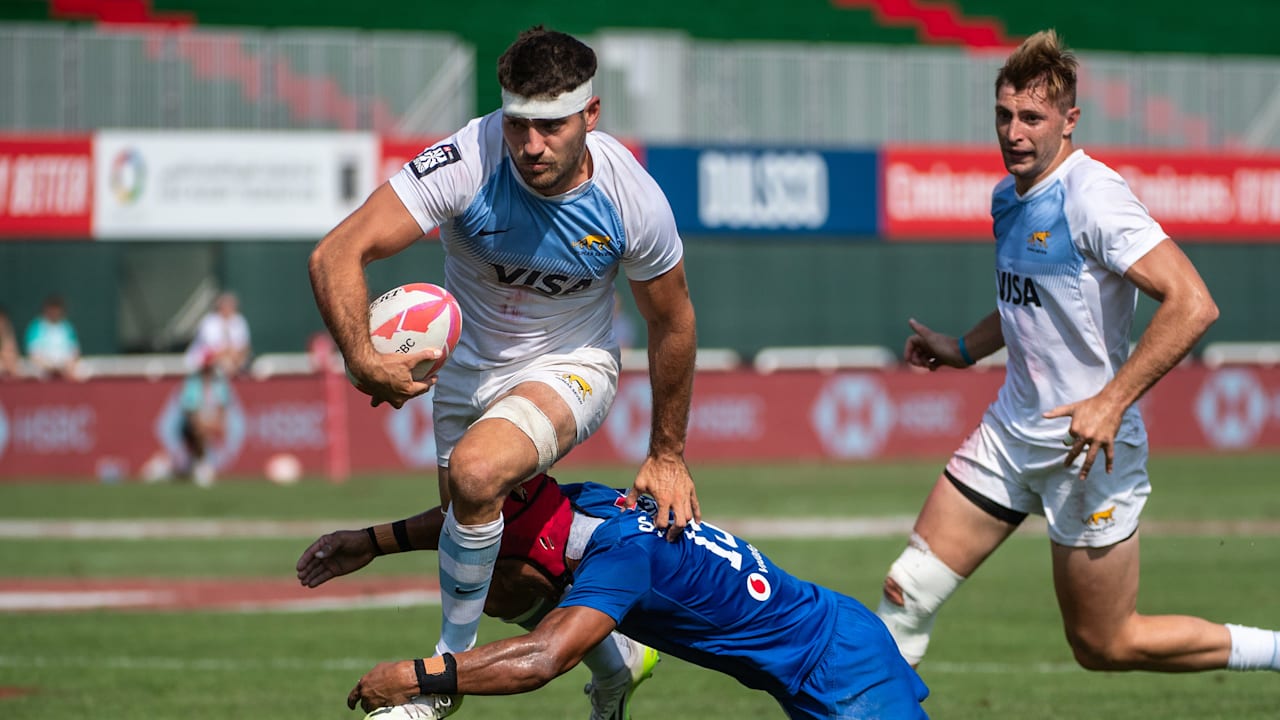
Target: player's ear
592	112
1073	116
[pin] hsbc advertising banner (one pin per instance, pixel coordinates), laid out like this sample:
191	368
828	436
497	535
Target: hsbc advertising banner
77	430
944	193
46	187
751	190
229	185
112	427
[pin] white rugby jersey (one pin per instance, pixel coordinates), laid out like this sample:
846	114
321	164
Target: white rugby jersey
533	274
1066	310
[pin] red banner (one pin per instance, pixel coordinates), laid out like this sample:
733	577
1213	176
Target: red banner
111	428
944	193
398	151
941	193
46	187
1205	197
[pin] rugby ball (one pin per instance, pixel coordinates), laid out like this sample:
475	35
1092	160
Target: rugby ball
416	317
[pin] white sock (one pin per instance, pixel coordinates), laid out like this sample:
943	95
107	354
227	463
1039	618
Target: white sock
467	556
609	657
1253	649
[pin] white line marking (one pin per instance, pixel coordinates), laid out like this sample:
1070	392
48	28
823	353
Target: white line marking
798	528
186	664
161	601
82	600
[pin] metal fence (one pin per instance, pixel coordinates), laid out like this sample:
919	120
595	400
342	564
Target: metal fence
657	86
71	78
667	87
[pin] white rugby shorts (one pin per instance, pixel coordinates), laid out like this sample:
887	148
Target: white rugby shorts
587	380
1099	511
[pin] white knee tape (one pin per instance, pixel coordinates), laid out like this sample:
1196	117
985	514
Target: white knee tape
926	583
525	414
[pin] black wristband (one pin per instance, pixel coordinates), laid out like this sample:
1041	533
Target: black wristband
401	530
373	538
442	682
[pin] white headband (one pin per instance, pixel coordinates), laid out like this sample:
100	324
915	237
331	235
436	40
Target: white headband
562	105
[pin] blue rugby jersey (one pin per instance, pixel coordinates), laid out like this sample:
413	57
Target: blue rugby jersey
711	598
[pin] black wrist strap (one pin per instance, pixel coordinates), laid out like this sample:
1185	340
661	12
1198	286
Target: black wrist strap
400	529
373	538
441	679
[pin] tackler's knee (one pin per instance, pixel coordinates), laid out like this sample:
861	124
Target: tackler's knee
917	585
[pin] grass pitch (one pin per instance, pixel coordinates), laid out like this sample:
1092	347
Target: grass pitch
998	650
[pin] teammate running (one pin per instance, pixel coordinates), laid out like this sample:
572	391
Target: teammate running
1064	438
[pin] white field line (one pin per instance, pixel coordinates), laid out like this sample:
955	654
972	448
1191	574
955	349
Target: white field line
240	665
170	529
799	528
161	601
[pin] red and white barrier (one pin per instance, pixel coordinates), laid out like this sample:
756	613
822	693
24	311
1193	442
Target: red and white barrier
111	427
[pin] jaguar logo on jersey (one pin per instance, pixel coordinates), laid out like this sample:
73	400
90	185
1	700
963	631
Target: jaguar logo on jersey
434	158
538	281
581	388
594	243
1038	242
1101	519
758	587
1017	289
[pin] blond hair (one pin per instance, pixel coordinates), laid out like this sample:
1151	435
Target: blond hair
1042	61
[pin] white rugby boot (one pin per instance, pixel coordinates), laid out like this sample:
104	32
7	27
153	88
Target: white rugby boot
419	707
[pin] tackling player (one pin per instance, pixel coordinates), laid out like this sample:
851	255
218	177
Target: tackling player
710	598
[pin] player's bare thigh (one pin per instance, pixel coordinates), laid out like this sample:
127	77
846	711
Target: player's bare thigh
957	531
1098	594
1097	588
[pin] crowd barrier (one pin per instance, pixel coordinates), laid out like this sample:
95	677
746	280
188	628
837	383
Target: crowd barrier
112	427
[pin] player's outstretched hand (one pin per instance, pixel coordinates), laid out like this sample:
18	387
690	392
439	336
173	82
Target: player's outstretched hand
337	553
387	684
931	350
668	482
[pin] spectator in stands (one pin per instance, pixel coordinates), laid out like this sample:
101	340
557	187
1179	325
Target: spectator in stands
204	401
52	346
224	332
10	363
